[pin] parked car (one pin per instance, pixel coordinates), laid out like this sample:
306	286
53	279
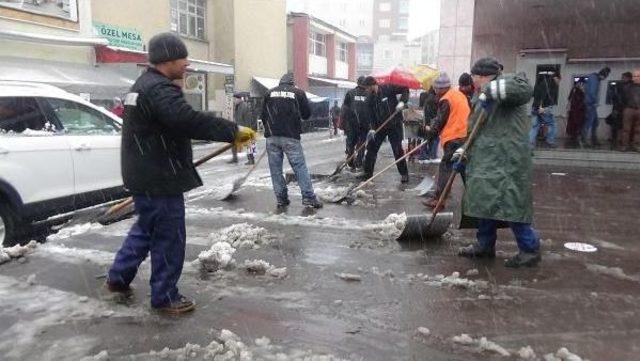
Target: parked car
58	153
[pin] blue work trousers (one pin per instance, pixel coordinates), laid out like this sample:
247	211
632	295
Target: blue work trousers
160	231
526	237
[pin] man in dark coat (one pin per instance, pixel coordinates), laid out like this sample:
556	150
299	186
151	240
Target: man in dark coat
617	99
334	112
499	168
630	141
575	117
157	168
592	97
356	115
283	110
383	101
243	117
545	99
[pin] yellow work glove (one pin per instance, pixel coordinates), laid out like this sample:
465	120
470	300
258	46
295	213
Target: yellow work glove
244	136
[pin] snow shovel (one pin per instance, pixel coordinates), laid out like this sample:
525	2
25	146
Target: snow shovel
348	197
420	226
342	165
240	181
424	186
113	212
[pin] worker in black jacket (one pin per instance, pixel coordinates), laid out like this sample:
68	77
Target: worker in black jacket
157	168
284	107
357	116
383	101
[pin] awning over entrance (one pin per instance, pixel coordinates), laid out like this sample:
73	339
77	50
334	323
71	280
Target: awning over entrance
270	83
112	54
99	82
345	84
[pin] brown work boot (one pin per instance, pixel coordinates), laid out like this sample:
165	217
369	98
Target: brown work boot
117	292
181	305
433	203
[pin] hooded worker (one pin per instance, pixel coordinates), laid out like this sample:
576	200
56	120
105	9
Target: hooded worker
384	104
283	109
356	115
498	189
157	168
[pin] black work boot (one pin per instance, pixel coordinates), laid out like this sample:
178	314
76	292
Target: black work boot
523	259
181	305
283	203
474	251
116	292
312	202
404	178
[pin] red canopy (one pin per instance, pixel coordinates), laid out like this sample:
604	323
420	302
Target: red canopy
400	77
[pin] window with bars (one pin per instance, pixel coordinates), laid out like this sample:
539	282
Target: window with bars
317	44
189	18
341	49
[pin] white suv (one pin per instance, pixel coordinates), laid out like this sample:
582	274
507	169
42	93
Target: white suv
58	153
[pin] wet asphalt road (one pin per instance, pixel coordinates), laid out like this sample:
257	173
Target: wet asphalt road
574	300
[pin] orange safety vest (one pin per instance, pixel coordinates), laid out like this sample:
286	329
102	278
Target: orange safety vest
456	127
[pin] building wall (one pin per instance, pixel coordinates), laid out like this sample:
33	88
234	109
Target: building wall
430	49
402	54
455	43
260	40
21	21
394	14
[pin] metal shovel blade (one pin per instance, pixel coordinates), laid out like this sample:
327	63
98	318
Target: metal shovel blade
424	186
421	227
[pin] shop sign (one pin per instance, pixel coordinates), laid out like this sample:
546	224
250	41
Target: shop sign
119	37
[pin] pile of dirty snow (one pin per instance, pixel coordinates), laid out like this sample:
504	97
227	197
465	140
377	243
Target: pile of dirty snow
219	256
17	251
392	226
242	236
229	347
454	280
562	355
482	344
260	267
615	272
67	232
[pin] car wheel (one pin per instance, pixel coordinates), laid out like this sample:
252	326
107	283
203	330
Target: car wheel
10	227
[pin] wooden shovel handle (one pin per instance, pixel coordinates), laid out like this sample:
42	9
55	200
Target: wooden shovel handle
118	207
359	148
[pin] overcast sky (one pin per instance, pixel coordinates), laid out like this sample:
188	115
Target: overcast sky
424	16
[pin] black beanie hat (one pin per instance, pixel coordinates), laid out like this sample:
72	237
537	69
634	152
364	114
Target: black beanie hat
465	80
486	66
360	79
166	47
368	81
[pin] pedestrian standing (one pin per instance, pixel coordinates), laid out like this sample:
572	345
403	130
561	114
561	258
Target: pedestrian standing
284	107
243	117
592	96
383	101
498	188
545	99
450	124
334	112
356	117
615	118
157	168
430	111
575	116
631	117
465	85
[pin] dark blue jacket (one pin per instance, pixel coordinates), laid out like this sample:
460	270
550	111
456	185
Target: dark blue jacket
157	159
